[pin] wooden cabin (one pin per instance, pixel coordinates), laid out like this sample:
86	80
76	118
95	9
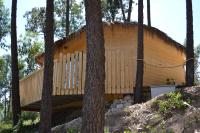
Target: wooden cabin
164	59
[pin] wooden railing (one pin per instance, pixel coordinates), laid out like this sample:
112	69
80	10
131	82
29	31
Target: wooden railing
70	71
69	74
31	87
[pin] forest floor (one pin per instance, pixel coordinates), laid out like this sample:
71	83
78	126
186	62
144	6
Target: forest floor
177	112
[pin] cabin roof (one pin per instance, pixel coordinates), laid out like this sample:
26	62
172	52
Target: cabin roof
158	32
152	30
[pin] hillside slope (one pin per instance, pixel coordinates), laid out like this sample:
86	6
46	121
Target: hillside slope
175	112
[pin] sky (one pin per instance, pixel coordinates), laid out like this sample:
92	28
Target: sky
167	15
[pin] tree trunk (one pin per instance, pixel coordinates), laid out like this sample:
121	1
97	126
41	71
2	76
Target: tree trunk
149	13
189	45
140	56
5	107
112	10
94	98
129	11
122	9
14	66
46	103
67	19
9	103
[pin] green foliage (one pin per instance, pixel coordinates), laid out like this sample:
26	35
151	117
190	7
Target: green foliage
28	123
173	101
36	18
29	46
1	68
106	130
161	128
196	63
4	86
75	16
127	131
28	128
77	19
1	106
72	130
4	24
4	71
6	127
111	9
32	117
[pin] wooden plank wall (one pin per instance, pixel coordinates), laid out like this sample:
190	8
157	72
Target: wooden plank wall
69	76
70	71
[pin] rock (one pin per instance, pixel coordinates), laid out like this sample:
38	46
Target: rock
197	131
113	106
115	101
154	120
130	101
127	97
123	102
127	104
74	124
176	124
119	106
114	110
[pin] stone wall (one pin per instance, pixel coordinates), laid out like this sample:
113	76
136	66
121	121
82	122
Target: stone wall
66	115
119	104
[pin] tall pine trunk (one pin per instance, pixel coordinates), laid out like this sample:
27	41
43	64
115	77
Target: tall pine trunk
189	45
14	66
94	97
129	10
9	103
5	107
140	56
67	19
112	10
122	9
46	102
149	13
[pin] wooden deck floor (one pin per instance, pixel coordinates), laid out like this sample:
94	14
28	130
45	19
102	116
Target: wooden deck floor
64	102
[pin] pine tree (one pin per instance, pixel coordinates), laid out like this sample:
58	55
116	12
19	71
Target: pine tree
140	56
94	97
14	66
46	103
189	45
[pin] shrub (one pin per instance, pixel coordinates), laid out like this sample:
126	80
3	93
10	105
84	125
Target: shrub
173	101
72	130
6	127
28	123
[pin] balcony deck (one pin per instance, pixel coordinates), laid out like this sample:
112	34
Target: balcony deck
69	80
